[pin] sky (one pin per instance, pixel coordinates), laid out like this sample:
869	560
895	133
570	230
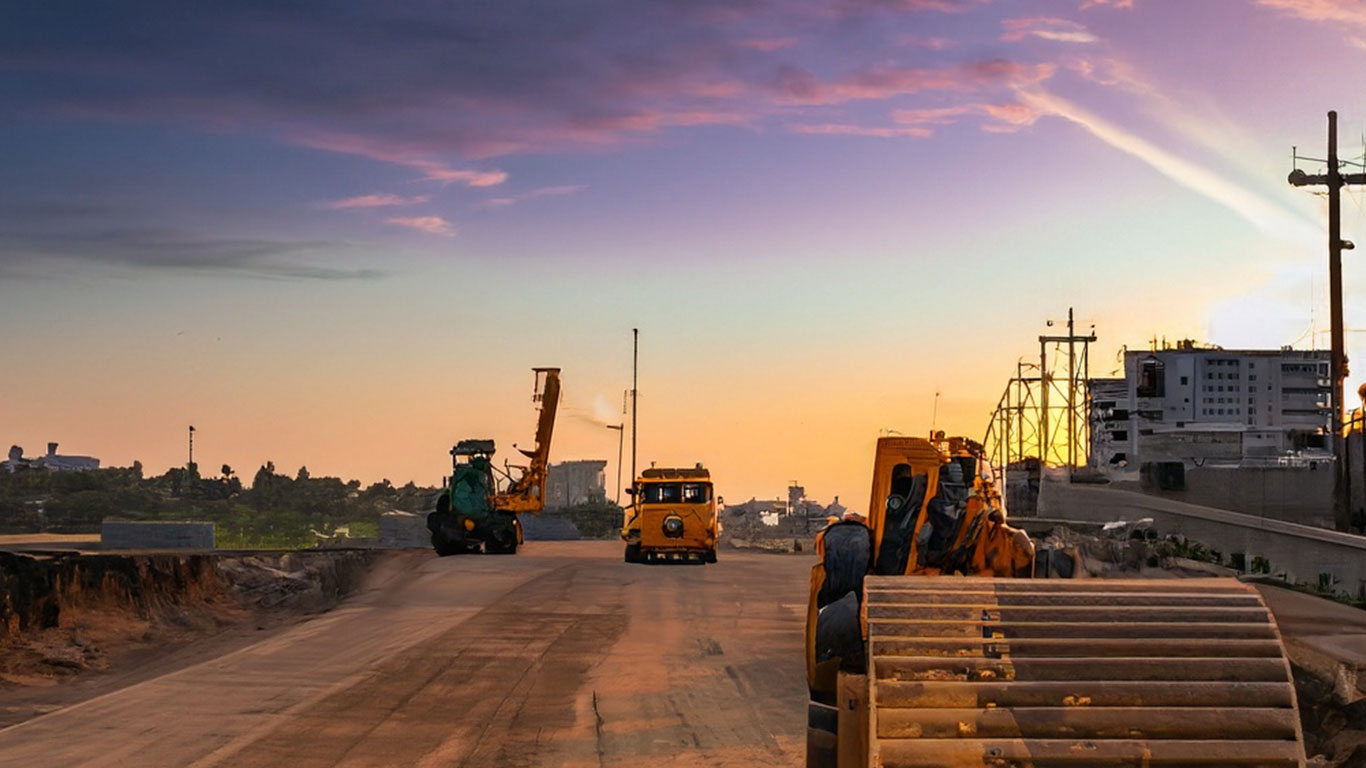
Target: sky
340	234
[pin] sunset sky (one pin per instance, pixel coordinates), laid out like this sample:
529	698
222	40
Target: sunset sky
340	234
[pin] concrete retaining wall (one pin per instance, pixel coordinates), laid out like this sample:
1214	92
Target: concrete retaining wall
1302	554
1295	494
156	535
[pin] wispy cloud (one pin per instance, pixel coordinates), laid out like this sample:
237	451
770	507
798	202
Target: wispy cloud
503	202
1046	28
375	201
432	225
1122	4
1341	11
928	43
768	44
798	86
847	129
173	250
396	153
1270	217
1009	117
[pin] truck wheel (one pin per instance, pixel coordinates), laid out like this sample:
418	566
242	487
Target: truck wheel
633	554
711	556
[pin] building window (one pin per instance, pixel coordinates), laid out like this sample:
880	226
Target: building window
1120	435
1184	381
1121	414
1252	377
1152	378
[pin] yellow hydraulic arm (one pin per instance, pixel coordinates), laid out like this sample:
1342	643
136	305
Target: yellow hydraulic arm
527	493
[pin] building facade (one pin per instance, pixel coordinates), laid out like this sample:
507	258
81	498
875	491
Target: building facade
1200	405
571	483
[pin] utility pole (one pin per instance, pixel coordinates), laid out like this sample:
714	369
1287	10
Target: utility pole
1043	402
1335	180
621	433
189	467
635	367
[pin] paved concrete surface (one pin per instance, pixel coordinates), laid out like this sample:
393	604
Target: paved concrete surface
1323	637
559	656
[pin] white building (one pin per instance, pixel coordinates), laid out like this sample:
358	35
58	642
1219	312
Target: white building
53	461
1197	405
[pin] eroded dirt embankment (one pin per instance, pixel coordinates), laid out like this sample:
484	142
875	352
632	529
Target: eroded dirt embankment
63	613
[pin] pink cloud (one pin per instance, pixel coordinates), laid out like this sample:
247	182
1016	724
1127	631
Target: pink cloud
798	86
432	225
375	201
503	202
395	153
845	129
768	44
1344	11
1121	4
929	43
943	6
1009	117
1046	28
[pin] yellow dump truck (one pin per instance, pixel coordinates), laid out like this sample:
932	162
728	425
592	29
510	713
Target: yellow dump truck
672	517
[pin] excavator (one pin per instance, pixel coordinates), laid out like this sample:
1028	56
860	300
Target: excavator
471	513
934	640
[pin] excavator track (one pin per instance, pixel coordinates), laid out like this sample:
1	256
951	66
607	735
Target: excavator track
1028	673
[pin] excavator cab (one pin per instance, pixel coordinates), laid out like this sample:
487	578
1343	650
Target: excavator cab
929	644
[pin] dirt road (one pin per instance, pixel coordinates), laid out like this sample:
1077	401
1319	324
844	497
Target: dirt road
560	656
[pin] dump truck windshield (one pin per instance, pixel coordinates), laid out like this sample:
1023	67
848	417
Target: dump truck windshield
677	493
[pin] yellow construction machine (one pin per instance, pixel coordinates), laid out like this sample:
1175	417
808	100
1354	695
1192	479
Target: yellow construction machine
929	644
472	514
672	517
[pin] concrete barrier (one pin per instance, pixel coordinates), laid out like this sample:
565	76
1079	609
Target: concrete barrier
1300	554
404	530
156	535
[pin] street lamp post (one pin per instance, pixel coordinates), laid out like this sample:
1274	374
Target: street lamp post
621	437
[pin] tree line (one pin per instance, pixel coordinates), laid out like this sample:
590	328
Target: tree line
277	510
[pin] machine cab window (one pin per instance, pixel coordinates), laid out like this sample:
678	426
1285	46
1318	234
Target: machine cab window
677	493
696	493
662	493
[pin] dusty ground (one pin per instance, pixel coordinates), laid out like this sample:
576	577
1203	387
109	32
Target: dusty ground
560	656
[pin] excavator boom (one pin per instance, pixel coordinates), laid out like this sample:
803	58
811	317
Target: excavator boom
527	493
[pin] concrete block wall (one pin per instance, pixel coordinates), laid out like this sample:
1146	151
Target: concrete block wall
404	530
156	535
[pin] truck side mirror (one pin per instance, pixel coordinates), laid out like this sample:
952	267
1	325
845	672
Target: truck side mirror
630	491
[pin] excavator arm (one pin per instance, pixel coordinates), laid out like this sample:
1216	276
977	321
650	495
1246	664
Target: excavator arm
527	493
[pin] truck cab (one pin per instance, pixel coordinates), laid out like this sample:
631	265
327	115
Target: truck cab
672	517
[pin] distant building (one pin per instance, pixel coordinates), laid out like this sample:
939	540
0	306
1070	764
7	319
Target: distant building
1246	430
53	461
1109	420
571	483
1194	403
